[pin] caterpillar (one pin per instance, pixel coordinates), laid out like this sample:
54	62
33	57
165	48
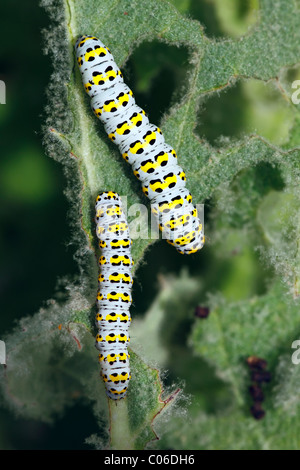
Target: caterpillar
114	294
141	144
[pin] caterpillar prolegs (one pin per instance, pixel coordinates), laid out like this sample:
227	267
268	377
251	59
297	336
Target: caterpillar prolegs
141	144
114	294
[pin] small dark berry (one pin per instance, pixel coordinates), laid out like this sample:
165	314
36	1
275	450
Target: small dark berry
257	412
256	393
261	376
256	363
201	312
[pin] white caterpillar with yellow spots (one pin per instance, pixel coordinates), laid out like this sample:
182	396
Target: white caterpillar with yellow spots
141	144
114	295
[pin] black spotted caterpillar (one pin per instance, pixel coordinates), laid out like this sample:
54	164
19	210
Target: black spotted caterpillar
142	144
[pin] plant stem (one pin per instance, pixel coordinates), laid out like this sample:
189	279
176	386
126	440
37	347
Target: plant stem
120	435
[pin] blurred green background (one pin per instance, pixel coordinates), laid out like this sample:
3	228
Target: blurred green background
34	236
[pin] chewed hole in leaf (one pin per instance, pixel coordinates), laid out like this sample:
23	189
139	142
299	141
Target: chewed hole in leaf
236	16
238	204
287	78
200	379
276	216
249	107
239	273
156	73
221	18
159	260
